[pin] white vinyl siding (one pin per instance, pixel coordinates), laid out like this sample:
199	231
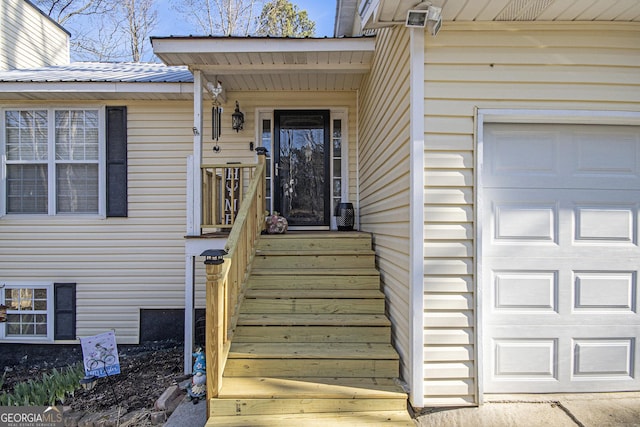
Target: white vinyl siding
119	264
384	175
29	39
592	66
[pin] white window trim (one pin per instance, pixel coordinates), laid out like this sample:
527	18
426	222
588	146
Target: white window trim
334	114
102	162
546	116
50	312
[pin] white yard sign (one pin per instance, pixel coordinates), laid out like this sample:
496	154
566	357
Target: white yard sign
100	355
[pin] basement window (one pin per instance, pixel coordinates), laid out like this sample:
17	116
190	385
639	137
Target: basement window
29	312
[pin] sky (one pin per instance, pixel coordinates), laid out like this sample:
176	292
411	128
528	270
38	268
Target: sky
322	12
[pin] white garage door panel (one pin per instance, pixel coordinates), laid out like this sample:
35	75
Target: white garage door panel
551	360
560	258
557	156
560	223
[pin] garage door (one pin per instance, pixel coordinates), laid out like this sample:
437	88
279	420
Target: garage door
560	258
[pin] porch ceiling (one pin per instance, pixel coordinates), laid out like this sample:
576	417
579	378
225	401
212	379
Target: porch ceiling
272	64
378	13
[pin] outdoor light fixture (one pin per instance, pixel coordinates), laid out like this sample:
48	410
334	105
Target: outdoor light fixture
425	15
434	20
237	119
214	256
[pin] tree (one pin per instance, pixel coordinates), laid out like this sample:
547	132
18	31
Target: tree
63	10
141	18
281	18
105	30
220	17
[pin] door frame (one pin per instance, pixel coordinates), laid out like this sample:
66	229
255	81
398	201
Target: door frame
521	116
335	113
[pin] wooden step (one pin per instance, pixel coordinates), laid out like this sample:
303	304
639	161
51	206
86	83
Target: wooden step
329	273
319	387
284	368
282	334
308	305
313	241
279	406
312	351
351	419
301	260
301	293
267	279
313	320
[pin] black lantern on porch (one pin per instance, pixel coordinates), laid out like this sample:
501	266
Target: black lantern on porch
237	119
345	216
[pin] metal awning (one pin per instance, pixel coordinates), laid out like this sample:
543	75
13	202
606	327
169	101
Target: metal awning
272	64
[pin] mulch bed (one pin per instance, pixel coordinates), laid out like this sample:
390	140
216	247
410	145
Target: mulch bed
146	372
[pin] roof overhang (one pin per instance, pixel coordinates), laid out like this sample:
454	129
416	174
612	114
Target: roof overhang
381	13
272	63
69	91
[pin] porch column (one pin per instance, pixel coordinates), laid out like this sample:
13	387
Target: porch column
197	153
189	312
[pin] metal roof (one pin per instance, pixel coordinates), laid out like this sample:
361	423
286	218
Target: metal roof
98	81
101	72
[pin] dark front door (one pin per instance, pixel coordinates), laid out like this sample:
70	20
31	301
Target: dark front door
301	162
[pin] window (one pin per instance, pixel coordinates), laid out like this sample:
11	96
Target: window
53	161
29	311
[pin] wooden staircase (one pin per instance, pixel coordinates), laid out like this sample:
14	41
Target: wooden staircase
312	344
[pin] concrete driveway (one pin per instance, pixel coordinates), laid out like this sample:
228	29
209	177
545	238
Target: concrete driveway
550	410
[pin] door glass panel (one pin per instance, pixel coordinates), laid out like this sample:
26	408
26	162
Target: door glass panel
302	167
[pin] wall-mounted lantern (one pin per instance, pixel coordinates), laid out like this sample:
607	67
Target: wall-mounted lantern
237	119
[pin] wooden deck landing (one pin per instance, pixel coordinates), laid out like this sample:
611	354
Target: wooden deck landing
312	345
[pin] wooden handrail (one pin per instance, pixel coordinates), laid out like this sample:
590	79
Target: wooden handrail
226	282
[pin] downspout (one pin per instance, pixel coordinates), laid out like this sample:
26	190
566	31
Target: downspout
416	215
358	159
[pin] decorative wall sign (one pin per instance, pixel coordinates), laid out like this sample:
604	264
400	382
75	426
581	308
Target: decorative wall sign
232	186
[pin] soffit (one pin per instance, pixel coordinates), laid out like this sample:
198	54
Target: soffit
388	12
272	64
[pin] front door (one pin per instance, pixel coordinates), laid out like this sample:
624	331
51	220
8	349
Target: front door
301	166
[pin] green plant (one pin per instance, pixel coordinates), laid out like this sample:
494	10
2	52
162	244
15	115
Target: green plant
53	387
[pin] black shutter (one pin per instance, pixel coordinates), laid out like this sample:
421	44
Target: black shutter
64	311
117	161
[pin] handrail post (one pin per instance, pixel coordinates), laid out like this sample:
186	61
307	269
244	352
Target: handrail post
215	315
